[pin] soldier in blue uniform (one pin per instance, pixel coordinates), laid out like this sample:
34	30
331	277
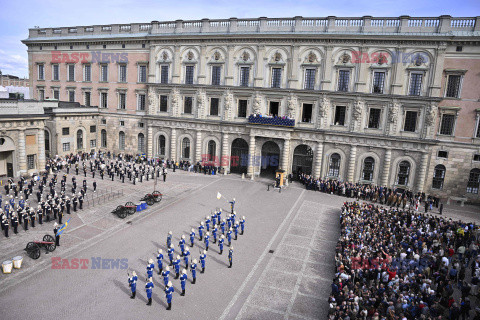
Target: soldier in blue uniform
220	243
193	269
150	267
183	281
168	293
200	231
203	256
207	222
235	230
229	237
233	216
160	261
148	287
181	244
12	202
219	215
185	257
192	237
21	203
214	219
229	222
230	256
222	226
232	204
171	251
207	240
132	282
165	275
214	233
176	266
242	224
169	239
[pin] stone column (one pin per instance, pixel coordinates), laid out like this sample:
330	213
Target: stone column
229	66
258	78
176	65
251	156
202	62
224	160
286	156
198	147
41	149
351	164
422	172
173	145
386	167
22	157
317	171
149	142
326	83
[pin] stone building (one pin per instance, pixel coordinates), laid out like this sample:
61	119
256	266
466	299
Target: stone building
390	101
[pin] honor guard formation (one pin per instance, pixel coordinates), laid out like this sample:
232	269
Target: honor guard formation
213	224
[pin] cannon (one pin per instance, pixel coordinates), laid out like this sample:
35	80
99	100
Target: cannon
151	198
33	248
122	211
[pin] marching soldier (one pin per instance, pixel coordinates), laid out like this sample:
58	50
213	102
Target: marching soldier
165	275
229	237
220	243
230	256
214	233
207	222
185	257
168	292
176	265
170	252
193	269
200	231
148	287
160	261
235	229
15	223
181	244
183	281
233	216
5	225
60	214
40	214
164	174
207	240
67	204
169	239
74	202
150	267
94	184
222	226
242	224
219	215
25	218
192	237
32	217
132	282
47	212
229	222
55	231
214	219
232	204
80	201
203	256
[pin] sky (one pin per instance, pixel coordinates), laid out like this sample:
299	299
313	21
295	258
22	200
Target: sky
16	17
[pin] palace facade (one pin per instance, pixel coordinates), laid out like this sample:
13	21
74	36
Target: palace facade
389	101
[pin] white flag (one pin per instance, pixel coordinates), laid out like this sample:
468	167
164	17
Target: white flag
219	195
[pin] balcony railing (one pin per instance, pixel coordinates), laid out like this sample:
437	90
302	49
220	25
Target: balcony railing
271	121
366	24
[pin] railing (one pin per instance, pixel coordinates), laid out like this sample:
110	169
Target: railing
271	121
403	24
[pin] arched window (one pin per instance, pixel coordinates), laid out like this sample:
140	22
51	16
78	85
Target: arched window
141	143
186	148
161	145
212	149
368	166
79	139
334	166
473	181
104	138
403	173
438	177
121	140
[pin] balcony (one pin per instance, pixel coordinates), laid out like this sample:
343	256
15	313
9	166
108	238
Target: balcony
271	121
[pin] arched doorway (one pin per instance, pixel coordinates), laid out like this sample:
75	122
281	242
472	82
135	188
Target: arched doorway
302	160
239	156
79	139
47	143
7	156
270	158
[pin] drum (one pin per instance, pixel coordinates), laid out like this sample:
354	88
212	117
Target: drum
7	266
17	262
144	205
139	207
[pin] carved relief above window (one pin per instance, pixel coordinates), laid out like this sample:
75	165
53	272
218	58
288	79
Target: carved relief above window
217	56
190	55
382	59
164	55
245	56
312	57
344	58
277	57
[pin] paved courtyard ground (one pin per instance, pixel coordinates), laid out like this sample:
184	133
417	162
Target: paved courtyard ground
283	265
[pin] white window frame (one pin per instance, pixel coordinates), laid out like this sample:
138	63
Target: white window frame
385	80
350	79
40	90
168	73
74	94
194	73
409	79
101	72
53	93
53	72
69	65
100	99
138	101
139	68
455	116
282	68
85	65
462	76
42	65
119	100
85	98
305	77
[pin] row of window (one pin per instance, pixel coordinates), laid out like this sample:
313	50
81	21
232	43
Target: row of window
453	86
87	72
